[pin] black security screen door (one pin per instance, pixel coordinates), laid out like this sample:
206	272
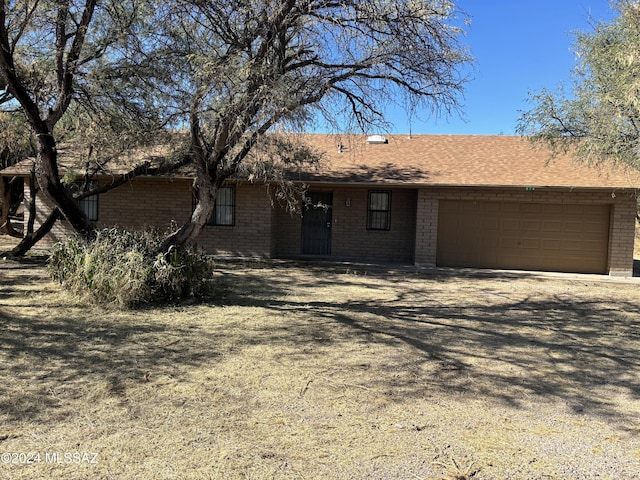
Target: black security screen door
316	224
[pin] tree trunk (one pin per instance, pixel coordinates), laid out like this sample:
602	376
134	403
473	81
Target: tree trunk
33	191
46	169
207	184
67	64
6	198
30	239
192	228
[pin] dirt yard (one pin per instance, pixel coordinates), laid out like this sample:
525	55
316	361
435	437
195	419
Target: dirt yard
325	372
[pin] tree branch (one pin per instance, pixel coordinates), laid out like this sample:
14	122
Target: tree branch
67	70
142	169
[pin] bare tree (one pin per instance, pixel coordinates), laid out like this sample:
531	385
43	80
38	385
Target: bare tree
57	54
249	67
232	70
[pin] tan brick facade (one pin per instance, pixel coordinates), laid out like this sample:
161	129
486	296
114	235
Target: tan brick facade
251	234
142	203
263	231
529	205
350	238
622	236
146	203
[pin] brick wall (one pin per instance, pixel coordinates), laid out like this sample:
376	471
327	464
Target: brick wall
426	228
146	202
621	237
251	235
142	203
350	238
287	230
263	231
622	224
161	202
60	230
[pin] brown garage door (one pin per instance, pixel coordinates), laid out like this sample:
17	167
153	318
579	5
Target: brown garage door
528	236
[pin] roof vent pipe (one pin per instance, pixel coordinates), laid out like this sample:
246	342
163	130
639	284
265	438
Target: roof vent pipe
377	139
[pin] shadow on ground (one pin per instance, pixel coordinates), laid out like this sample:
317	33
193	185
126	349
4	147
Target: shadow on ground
467	336
472	335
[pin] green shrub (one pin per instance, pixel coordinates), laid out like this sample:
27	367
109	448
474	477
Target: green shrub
126	269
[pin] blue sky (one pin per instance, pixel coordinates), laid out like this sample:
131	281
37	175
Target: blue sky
520	46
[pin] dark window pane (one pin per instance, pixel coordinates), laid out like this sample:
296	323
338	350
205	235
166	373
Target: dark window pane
89	206
224	213
379	212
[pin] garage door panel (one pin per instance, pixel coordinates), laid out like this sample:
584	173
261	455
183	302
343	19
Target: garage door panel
551	245
592	246
510	225
531	225
493	207
569	246
526	208
577	227
579	210
592	229
552	226
489	223
530	236
549	208
530	243
509	207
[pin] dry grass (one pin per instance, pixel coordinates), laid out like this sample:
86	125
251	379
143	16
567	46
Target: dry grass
309	372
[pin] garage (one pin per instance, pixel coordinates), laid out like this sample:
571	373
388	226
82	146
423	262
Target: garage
523	236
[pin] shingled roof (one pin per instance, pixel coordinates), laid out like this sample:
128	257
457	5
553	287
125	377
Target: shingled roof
74	159
447	160
419	160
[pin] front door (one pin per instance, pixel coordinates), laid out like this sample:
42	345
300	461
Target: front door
316	223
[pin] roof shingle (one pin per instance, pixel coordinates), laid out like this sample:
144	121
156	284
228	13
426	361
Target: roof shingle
428	160
457	160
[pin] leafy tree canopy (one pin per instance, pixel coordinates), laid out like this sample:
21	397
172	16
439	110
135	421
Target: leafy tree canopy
600	115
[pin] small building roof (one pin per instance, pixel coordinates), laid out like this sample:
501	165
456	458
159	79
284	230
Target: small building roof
418	160
75	159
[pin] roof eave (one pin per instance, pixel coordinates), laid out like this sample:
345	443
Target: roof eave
469	185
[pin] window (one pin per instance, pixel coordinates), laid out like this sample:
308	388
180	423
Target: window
89	205
224	210
379	212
